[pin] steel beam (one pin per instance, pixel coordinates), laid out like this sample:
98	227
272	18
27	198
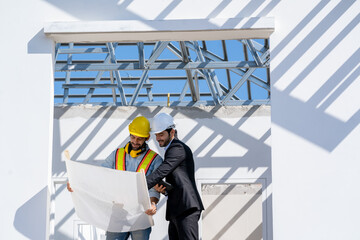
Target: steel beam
158	49
174	50
208	77
246	57
57	48
110	46
67	76
253	51
183	91
83	50
96	80
203	67
108	85
157	66
240	72
185	58
223	43
243	79
154	78
129	95
140	46
113	91
259	47
184	103
268	80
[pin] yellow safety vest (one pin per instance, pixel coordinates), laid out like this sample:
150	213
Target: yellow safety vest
144	164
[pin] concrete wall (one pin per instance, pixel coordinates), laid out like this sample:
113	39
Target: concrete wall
230	145
315	119
315	107
26	113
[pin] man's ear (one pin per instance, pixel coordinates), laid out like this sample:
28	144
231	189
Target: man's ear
172	132
147	139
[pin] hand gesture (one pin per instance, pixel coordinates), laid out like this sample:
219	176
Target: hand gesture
152	210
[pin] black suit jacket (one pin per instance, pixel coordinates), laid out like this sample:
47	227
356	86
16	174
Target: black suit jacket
178	168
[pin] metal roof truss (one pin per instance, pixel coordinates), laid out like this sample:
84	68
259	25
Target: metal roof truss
183	73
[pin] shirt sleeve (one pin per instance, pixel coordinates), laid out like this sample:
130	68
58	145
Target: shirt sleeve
110	161
154	193
157	162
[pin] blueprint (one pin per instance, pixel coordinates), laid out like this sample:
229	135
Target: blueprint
109	199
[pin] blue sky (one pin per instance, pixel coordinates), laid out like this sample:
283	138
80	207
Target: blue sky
234	51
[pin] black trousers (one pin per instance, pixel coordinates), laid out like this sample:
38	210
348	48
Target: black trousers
185	226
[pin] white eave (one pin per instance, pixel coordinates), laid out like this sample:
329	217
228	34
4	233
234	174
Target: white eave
164	30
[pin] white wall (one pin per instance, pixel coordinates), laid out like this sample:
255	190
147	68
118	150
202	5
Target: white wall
26	107
315	120
230	144
315	106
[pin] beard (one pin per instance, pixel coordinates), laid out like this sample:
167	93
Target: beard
164	143
136	146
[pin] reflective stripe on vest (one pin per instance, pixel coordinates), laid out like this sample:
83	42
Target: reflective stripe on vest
144	164
120	159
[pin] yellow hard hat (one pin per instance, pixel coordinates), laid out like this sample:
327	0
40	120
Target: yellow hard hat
140	127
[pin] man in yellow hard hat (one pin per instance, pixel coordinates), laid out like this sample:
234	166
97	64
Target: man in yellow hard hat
134	156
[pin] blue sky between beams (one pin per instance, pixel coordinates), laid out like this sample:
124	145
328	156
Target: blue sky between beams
130	52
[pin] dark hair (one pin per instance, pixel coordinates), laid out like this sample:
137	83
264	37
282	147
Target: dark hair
169	130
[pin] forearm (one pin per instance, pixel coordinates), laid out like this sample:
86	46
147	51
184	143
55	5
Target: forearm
152	210
154	200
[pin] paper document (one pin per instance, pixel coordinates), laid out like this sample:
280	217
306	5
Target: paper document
109	199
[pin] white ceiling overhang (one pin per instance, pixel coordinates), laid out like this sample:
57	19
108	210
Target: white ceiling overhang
164	30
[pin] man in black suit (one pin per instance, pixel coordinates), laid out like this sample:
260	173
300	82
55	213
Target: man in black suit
184	204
